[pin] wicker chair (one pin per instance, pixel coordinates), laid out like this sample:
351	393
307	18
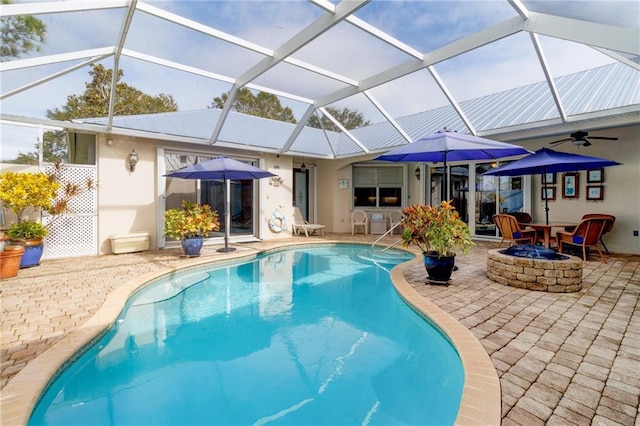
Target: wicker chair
511	231
611	220
586	234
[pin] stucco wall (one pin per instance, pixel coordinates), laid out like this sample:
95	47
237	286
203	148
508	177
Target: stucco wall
621	196
335	204
621	188
274	198
126	200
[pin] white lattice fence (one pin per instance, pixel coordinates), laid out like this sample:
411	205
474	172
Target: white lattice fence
75	233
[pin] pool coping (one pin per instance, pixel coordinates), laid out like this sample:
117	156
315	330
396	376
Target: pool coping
481	400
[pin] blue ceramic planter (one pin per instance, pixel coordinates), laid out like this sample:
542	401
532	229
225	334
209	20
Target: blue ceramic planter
439	269
32	254
192	246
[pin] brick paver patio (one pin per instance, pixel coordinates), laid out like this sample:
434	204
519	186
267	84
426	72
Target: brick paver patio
569	358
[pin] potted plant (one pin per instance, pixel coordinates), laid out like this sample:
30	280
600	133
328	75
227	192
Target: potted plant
439	233
10	257
190	224
30	194
29	234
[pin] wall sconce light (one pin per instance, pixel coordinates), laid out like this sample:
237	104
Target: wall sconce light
303	167
133	160
109	142
417	173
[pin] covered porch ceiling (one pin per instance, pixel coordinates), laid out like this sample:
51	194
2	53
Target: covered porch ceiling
503	69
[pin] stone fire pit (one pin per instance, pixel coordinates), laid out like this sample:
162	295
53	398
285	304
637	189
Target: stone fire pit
532	271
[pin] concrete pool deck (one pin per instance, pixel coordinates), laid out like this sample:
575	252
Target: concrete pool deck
561	358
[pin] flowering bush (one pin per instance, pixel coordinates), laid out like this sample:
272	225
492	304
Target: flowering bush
192	220
19	191
435	230
42	192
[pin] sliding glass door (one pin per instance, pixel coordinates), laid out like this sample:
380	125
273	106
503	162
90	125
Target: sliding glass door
504	194
211	192
241	204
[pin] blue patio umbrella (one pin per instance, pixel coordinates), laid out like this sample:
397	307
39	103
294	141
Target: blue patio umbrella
226	169
447	145
546	160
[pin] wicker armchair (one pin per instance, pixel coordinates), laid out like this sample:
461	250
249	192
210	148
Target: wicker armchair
511	231
586	234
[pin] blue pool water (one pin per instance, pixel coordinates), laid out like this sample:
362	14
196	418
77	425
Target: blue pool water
313	335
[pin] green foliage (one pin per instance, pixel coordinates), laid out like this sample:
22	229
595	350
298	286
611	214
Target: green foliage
19	191
54	150
27	230
20	34
350	119
263	104
40	192
94	102
192	220
437	230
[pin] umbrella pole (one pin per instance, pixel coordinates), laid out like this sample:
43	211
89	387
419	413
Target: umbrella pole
226	188
546	208
546	200
444	179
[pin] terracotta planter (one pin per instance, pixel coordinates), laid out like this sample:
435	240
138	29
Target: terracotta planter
10	261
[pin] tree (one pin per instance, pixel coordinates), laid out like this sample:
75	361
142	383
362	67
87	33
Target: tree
94	102
263	104
20	34
350	119
54	149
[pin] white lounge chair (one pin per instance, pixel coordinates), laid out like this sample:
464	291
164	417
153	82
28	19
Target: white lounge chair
300	224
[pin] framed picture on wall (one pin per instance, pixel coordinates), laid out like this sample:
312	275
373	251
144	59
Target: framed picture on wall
549	179
595	192
595	176
548	193
570	185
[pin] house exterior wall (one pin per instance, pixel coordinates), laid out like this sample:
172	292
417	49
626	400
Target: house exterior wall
272	198
127	201
621	189
335	205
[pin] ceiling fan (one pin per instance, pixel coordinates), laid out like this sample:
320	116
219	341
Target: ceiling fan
579	138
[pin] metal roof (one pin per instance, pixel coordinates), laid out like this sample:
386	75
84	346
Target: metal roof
495	69
511	108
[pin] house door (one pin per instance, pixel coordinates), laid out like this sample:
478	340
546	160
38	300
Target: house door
301	191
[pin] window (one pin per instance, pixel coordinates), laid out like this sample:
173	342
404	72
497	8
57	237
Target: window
80	148
377	186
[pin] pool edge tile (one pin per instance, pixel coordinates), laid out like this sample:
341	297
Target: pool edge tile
481	395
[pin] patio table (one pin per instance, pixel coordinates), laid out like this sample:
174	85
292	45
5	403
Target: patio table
546	229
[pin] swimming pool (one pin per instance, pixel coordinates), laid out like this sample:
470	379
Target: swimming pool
299	336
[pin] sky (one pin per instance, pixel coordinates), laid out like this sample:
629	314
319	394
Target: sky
422	25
